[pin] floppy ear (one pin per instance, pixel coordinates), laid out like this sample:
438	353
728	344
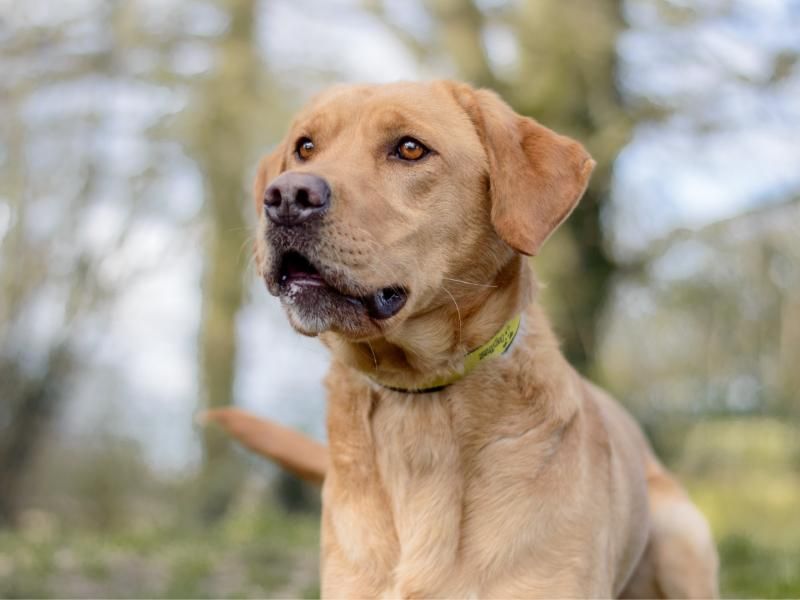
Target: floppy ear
269	167
536	176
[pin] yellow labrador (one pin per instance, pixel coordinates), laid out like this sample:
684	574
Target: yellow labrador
466	457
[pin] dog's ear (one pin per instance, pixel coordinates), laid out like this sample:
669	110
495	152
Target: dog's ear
269	167
536	176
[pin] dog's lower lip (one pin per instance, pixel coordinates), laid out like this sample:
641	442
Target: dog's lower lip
297	273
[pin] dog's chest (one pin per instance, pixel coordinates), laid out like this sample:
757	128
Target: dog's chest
395	509
421	504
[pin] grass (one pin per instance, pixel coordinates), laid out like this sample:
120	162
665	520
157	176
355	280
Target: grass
743	473
745	476
751	570
269	555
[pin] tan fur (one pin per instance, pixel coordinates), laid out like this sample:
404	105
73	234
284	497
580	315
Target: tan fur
521	479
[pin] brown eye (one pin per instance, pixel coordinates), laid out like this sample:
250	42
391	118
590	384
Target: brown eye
304	148
410	149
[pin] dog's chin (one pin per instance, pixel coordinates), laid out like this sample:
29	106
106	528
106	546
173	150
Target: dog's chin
313	309
316	300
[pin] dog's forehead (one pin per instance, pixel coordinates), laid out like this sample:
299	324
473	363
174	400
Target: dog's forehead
385	104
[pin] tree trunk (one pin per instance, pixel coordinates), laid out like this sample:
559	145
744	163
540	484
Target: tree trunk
23	424
221	142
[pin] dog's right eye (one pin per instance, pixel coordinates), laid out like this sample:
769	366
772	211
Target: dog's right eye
410	149
304	148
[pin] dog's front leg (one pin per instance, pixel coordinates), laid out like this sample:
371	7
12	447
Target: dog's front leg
419	462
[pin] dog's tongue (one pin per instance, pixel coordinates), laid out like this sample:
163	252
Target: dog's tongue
385	303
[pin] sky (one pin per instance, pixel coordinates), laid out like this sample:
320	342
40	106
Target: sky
731	144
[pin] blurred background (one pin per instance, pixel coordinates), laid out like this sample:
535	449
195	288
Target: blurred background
128	137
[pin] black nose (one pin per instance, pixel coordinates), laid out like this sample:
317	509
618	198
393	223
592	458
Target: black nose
294	198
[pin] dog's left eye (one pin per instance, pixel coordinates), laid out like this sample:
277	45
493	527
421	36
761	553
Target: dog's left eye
304	148
410	149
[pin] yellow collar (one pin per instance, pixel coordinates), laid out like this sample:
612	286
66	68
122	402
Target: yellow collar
497	345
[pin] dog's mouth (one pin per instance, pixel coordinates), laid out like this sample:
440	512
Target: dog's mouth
300	281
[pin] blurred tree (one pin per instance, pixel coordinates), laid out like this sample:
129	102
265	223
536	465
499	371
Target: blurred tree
208	52
715	81
554	60
567	79
72	79
708	83
740	271
221	128
49	283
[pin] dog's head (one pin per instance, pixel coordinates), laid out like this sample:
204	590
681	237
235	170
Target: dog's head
379	196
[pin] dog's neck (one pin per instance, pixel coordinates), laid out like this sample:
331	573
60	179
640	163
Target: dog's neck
434	343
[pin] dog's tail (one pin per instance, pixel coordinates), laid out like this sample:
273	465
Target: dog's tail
295	452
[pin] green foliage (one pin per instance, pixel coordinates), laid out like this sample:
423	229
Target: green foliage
752	570
263	554
743	475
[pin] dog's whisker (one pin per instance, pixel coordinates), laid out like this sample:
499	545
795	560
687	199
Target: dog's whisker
248	241
485	285
374	357
251	264
458	312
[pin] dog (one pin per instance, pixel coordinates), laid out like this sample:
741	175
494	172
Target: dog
466	457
